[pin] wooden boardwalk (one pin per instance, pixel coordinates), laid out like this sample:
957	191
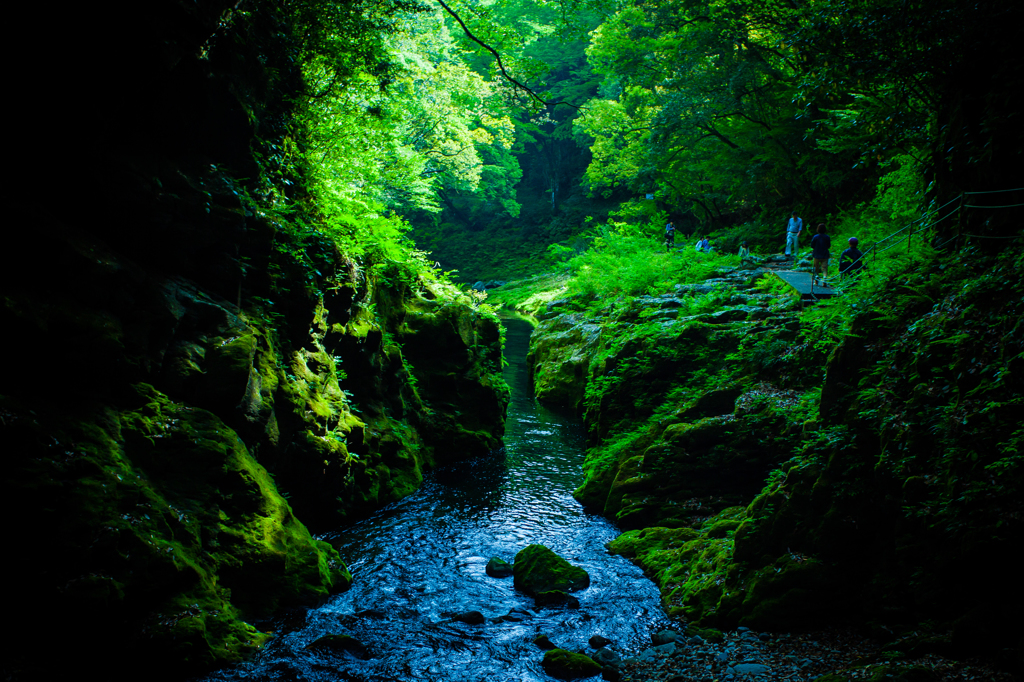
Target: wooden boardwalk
801	281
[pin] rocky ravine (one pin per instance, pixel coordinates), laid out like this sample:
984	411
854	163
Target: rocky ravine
782	487
196	375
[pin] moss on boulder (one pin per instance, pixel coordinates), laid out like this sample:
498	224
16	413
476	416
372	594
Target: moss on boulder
164	530
566	665
537	569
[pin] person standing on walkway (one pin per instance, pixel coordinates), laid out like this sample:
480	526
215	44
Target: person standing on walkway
793	228
670	236
820	244
854	256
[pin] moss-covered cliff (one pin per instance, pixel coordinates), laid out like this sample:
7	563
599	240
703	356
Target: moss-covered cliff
771	487
196	375
149	442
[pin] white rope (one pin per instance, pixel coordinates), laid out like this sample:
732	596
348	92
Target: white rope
997	191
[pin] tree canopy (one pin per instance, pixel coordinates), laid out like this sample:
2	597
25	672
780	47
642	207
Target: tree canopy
523	120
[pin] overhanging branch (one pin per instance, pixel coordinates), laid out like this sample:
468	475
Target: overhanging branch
501	66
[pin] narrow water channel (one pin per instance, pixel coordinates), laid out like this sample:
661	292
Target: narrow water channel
420	561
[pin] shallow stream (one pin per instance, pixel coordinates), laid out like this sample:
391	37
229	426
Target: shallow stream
421	560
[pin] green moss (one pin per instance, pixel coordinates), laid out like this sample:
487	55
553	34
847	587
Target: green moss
566	665
638	543
161	505
707	634
537	569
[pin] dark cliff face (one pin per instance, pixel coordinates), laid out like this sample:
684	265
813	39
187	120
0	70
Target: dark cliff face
190	382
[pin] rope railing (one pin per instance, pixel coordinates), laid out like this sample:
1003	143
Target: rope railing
994	191
874	250
997	191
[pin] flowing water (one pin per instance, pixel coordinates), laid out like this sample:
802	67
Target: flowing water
420	561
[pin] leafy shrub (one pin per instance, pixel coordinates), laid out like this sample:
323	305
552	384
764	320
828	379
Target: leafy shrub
625	260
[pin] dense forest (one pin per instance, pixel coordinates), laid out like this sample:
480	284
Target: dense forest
260	251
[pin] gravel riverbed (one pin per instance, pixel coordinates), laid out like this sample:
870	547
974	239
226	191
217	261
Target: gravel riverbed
830	656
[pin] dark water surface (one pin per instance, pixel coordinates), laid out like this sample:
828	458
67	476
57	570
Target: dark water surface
421	560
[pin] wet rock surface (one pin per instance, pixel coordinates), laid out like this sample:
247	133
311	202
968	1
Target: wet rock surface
498	568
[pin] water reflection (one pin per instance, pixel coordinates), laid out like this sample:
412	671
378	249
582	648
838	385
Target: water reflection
421	561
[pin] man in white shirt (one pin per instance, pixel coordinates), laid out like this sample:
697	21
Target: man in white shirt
793	228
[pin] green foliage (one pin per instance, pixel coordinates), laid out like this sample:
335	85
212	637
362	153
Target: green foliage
531	295
901	190
625	260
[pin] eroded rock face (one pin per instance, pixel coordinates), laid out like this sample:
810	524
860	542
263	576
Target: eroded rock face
561	350
189	381
168	447
862	510
155	465
162	528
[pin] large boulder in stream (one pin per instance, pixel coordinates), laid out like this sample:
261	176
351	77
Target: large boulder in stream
537	569
565	665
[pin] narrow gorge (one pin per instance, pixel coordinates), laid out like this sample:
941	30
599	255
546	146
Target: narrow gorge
368	340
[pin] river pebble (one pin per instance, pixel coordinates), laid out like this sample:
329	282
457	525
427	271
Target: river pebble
748	656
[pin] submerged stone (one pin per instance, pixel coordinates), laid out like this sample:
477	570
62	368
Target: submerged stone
498	568
471	618
607	656
542	642
555	597
340	644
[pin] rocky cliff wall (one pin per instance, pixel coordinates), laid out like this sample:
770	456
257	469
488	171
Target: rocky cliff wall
767	486
194	381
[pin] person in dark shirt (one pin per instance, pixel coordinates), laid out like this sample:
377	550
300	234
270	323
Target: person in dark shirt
670	236
820	244
850	261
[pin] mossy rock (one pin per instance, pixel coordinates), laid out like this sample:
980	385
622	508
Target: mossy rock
538	569
636	543
721	528
707	634
561	350
566	665
192	527
498	568
543	642
556	597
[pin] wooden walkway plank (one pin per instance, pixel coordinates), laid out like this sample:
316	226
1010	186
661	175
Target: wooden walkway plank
801	281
